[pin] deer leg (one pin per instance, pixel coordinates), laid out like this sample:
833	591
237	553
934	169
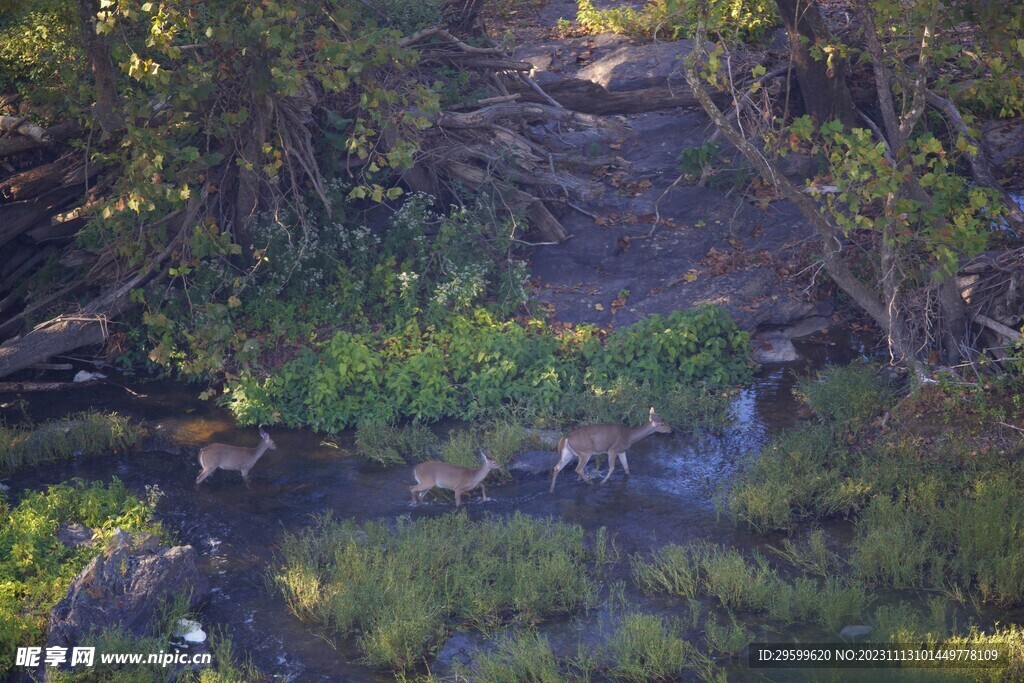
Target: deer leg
458	499
564	459
583	463
203	475
418	491
611	465
484	489
625	465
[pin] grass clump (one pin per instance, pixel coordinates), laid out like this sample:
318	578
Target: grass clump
402	589
799	474
388	444
847	397
647	648
89	433
726	639
523	657
36	568
750	585
937	533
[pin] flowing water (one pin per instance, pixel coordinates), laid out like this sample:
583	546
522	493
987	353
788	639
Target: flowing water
668	499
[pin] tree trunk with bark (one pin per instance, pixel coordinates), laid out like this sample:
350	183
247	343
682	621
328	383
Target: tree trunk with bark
822	82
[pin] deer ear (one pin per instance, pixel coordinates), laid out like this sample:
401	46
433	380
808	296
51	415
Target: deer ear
652	412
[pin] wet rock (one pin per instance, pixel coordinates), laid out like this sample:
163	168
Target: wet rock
74	535
855	632
806	327
773	347
1003	139
534	462
125	587
547	438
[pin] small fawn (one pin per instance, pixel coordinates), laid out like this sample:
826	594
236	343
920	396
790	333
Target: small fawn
221	456
585	442
452	477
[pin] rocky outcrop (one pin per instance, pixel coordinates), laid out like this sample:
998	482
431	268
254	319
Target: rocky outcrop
125	587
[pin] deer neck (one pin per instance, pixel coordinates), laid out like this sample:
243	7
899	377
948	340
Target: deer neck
481	473
260	450
640	432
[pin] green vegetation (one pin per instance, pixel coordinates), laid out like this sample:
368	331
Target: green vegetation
523	657
673	19
36	568
929	513
90	433
647	648
476	364
752	586
402	589
846	397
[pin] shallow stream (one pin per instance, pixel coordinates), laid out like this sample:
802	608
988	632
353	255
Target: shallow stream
668	499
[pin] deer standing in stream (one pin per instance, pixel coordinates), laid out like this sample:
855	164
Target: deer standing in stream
615	440
221	456
452	477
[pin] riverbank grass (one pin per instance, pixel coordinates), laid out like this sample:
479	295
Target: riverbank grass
403	588
89	433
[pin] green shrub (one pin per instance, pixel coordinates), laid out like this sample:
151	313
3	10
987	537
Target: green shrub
90	433
362	579
673	19
475	364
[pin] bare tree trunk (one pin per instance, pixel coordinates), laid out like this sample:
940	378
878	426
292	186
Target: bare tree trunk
822	83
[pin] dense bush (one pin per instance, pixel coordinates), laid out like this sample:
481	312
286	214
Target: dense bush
476	363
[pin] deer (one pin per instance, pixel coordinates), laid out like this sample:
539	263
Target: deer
222	456
452	477
615	440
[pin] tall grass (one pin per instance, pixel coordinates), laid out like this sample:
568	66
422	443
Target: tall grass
401	589
89	433
522	657
749	585
847	397
389	444
646	648
796	476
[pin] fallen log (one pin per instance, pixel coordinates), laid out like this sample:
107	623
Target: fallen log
90	325
54	134
66	171
20	217
593	98
24	387
22	126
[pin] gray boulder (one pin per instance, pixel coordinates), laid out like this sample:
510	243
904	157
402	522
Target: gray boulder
125	587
